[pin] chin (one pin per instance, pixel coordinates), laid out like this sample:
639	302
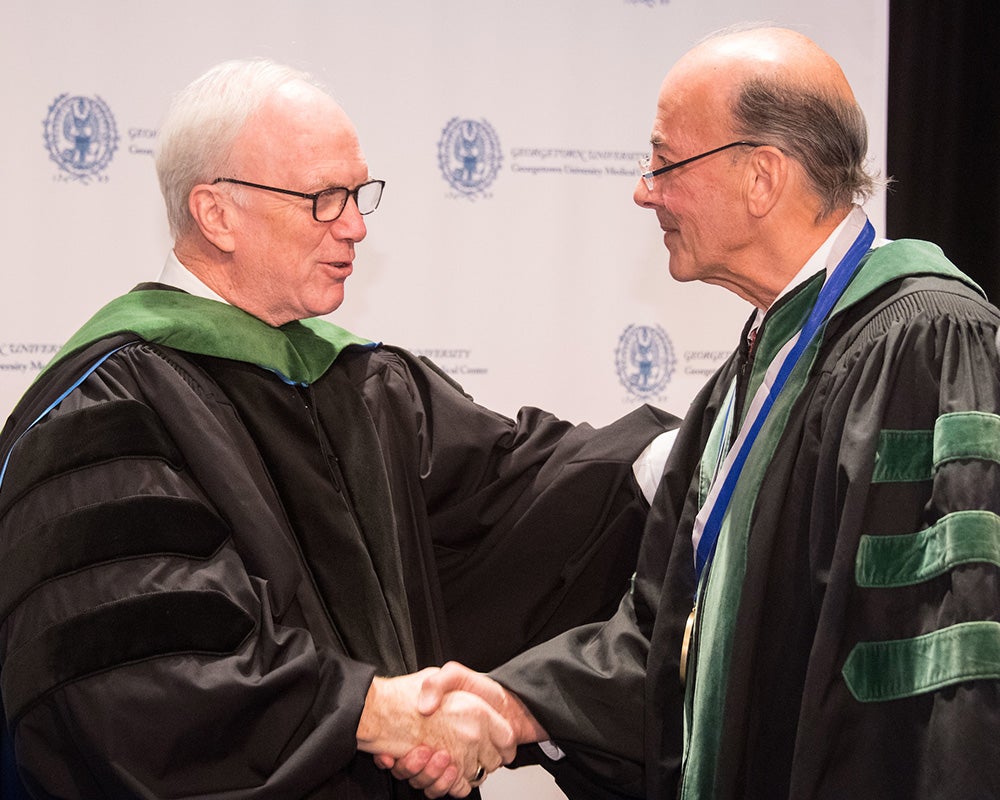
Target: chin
680	271
328	304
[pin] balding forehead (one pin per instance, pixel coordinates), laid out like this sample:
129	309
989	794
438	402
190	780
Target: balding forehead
770	53
694	87
692	112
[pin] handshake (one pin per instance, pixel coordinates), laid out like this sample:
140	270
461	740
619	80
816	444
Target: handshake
444	729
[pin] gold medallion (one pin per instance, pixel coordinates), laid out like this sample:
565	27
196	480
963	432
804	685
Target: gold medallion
686	644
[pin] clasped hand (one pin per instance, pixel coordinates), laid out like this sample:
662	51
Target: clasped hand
444	729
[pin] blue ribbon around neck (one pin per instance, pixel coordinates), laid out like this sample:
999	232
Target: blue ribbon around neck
828	297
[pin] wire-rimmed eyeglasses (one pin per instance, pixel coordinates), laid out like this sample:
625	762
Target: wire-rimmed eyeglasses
330	203
647	175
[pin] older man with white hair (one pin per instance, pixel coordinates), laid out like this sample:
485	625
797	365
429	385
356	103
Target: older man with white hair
229	530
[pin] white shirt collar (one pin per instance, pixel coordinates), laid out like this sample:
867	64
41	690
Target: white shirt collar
815	263
175	274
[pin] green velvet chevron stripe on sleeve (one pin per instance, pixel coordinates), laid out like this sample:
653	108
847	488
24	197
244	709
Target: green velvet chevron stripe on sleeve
966	434
881	671
962	537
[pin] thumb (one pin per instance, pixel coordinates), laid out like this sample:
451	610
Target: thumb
432	691
454	677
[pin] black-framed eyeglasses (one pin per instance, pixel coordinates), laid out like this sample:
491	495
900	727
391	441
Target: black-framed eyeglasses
330	203
647	175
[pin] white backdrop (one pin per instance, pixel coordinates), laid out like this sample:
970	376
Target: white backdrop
531	282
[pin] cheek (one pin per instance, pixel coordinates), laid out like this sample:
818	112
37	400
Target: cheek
681	200
707	216
294	251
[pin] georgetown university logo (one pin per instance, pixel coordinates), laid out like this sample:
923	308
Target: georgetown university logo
469	155
80	135
644	360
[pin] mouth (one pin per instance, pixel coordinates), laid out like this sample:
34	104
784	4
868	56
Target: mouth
341	269
668	226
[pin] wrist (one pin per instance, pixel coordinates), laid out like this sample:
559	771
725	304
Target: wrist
526	728
370	723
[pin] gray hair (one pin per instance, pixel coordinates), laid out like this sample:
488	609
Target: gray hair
826	134
196	138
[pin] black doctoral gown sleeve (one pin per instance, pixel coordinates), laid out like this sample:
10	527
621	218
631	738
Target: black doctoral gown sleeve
588	687
535	522
901	695
864	649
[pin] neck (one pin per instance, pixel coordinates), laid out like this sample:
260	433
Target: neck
776	259
204	262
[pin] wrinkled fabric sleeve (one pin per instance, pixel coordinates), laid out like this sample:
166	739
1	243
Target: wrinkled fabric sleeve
902	697
536	522
590	688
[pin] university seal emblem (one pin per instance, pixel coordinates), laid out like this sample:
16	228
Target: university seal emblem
80	134
469	155
644	360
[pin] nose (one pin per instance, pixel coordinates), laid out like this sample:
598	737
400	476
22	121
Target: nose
642	195
350	225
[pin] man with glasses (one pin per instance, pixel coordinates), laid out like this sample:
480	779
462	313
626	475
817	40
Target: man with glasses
221	519
816	608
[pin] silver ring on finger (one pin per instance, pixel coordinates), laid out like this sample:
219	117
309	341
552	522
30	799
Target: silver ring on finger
479	776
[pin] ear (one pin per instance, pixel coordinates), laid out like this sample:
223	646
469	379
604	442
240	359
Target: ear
768	179
214	214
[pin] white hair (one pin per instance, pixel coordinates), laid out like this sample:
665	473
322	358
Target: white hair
196	138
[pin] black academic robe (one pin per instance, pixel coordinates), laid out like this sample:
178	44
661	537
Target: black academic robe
847	641
203	564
